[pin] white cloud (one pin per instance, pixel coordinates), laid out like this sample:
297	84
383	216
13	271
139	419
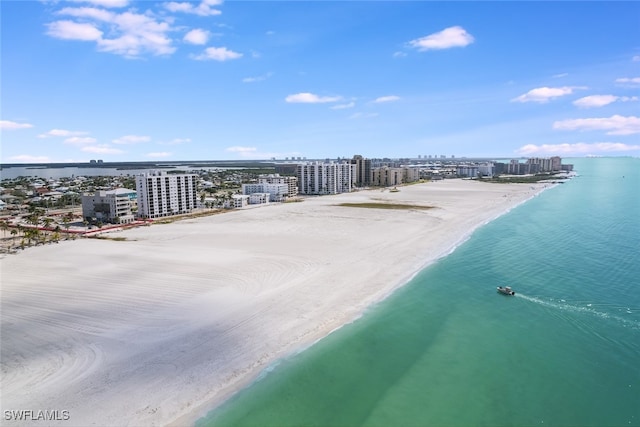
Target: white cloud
544	94
101	149
344	106
636	58
79	140
104	3
9	125
179	7
130	34
203	9
197	36
27	158
614	125
217	54
577	148
601	100
629	81
310	98
69	30
257	79
389	98
239	149
445	39
131	139
88	13
62	133
159	154
139	34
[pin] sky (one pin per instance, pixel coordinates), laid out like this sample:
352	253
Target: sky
123	80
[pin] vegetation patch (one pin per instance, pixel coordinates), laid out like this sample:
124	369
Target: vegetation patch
172	219
530	179
117	239
373	205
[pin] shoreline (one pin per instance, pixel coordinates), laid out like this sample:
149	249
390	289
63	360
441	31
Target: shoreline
192	418
185	351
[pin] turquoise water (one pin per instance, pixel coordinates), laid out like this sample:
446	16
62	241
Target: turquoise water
447	350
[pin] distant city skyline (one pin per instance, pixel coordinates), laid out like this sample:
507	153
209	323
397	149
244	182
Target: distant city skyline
122	80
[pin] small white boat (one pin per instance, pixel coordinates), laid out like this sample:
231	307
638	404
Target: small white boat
506	290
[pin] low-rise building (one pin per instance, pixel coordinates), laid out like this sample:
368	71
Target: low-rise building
290	181
386	176
259	198
108	206
237	201
277	192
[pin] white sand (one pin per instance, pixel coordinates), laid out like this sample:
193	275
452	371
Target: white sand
159	329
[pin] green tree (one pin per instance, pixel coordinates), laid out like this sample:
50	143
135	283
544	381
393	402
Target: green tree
47	222
5	227
66	220
14	233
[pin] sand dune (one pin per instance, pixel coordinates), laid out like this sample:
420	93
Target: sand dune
158	329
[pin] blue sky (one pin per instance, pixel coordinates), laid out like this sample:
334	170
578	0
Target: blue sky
122	80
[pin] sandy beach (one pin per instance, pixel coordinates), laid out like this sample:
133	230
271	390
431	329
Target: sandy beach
160	328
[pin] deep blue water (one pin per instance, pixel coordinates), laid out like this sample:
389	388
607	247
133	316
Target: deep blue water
447	350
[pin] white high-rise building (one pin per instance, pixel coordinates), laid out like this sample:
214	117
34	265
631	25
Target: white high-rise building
160	194
326	178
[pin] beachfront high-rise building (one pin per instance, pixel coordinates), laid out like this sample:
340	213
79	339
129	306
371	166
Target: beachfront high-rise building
326	178
363	170
160	194
535	165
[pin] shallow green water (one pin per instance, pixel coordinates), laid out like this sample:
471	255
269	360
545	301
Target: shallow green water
447	350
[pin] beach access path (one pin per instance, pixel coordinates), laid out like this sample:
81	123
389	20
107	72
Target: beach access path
161	327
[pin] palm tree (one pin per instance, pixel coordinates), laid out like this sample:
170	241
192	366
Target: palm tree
5	227
14	233
47	222
28	234
66	220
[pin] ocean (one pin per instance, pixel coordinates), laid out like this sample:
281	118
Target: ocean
447	350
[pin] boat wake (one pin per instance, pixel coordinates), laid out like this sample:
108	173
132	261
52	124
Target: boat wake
625	315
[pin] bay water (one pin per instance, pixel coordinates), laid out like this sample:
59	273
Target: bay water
447	350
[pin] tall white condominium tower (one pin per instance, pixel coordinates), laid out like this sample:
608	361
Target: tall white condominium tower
162	195
326	178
